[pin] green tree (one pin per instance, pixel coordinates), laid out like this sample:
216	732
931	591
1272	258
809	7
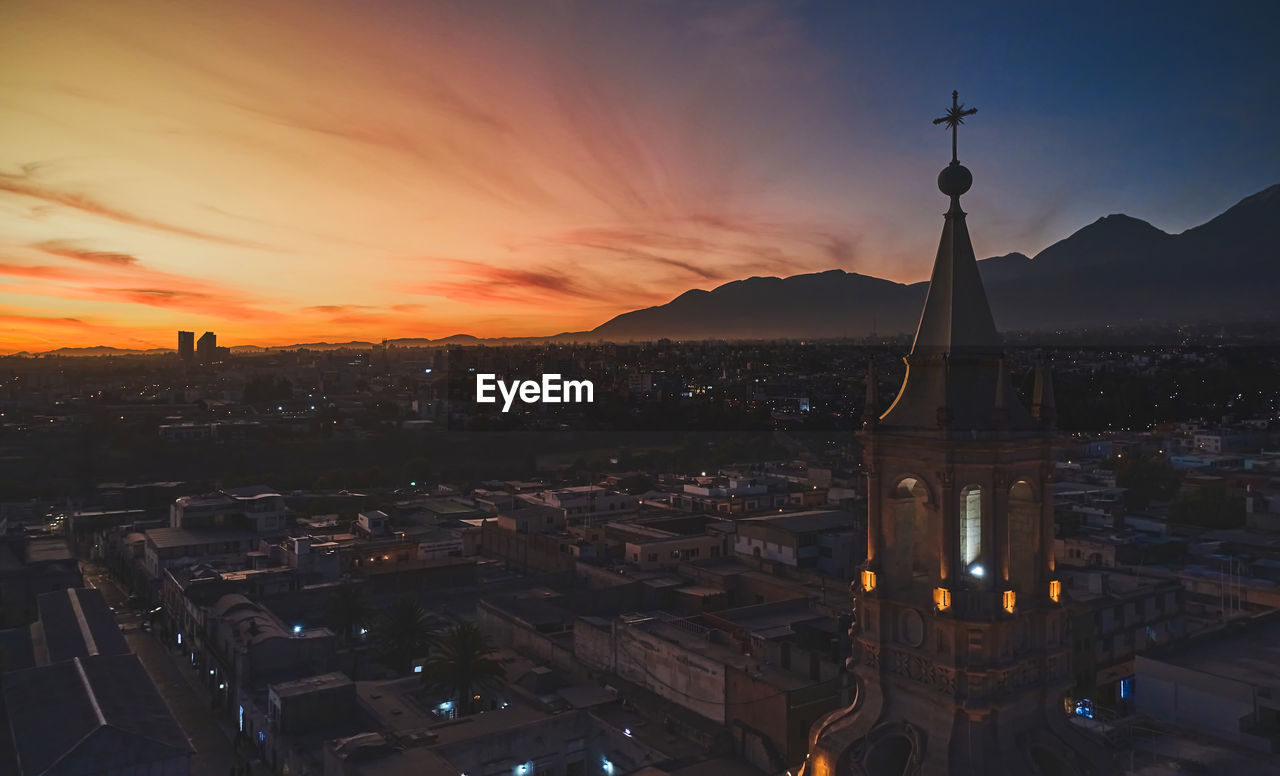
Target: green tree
1146	480
402	633
635	484
415	469
1210	506
462	663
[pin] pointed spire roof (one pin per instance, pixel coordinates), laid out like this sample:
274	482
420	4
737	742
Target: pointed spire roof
956	380
956	314
871	410
1001	415
1043	404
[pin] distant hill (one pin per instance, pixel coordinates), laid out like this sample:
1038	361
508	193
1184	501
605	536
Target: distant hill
100	350
828	304
1117	271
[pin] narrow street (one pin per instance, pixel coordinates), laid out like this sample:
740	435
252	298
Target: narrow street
214	754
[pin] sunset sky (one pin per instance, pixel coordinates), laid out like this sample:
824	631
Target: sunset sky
288	171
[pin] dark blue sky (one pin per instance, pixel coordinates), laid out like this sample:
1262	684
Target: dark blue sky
1167	111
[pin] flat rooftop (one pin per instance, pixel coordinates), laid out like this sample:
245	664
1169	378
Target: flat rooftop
805	522
48	549
165	538
768	617
725	655
444	506
1246	652
394	705
1118	584
311	684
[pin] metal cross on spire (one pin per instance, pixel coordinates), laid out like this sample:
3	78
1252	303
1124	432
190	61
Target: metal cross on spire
954	118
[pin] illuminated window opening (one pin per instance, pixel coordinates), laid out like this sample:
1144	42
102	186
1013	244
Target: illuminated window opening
868	580
942	598
971	524
1055	590
1010	599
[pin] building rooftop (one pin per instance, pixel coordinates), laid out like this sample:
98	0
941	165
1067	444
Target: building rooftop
806	522
311	684
1244	651
697	638
769	619
18	653
165	538
1084	584
542	614
78	623
227	497
373	754
444	506
91	715
48	549
396	707
251	492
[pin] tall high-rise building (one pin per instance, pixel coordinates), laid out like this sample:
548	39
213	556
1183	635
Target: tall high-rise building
960	650
187	345
207	347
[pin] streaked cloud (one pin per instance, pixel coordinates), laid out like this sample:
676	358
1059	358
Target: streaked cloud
313	169
70	251
24	184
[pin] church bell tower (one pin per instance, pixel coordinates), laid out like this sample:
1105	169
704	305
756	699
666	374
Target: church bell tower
960	653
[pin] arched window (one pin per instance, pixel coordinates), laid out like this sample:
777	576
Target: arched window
1024	536
971	526
910	552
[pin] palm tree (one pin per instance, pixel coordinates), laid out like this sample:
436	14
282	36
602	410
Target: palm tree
402	633
462	663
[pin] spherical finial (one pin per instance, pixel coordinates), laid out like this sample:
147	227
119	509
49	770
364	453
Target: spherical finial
955	179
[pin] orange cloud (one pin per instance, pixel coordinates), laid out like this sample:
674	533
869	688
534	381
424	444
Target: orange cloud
280	176
66	250
29	271
23	185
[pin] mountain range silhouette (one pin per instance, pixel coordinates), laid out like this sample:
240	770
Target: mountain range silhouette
1118	271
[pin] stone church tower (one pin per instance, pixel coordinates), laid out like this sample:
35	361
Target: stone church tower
961	655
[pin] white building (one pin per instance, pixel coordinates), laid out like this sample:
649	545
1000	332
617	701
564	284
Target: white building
257	508
584	501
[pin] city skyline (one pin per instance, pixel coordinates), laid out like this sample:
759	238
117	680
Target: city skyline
518	171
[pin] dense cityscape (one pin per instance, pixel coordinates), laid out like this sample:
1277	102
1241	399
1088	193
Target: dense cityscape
574	389
304	553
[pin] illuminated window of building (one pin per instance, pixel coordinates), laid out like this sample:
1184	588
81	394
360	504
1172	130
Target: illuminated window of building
1055	590
941	598
1009	600
971	524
